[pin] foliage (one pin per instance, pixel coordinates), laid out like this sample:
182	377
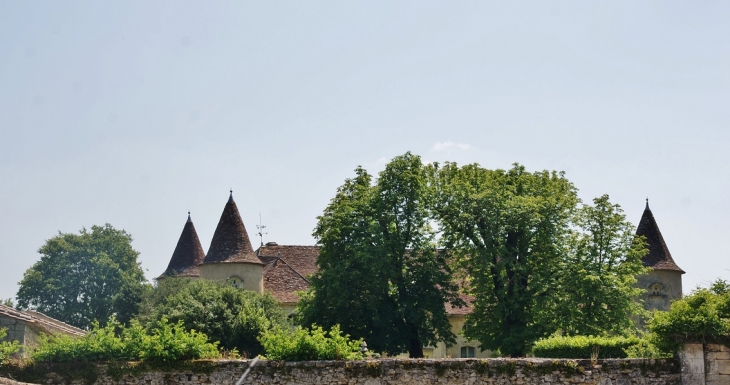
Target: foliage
7	348
583	346
701	317
302	344
381	276
647	347
163	342
230	316
8	302
79	275
598	275
507	231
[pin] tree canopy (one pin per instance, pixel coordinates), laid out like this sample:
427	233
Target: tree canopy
381	276
79	275
507	231
535	261
231	316
598	275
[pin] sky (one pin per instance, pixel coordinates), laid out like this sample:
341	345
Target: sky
134	113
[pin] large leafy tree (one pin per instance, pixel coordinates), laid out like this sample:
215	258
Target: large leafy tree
599	273
381	276
507	230
79	275
226	314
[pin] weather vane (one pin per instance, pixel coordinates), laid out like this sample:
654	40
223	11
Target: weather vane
261	228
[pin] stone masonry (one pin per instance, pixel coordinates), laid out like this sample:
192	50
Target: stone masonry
396	372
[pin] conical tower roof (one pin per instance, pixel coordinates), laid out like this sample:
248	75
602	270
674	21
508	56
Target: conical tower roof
230	241
658	257
188	254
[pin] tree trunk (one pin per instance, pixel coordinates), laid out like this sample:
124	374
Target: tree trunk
415	350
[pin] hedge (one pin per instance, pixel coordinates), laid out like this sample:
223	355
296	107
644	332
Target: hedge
583	347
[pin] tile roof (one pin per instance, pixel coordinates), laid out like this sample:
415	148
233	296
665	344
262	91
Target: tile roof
658	257
230	241
188	254
41	321
282	281
464	310
303	259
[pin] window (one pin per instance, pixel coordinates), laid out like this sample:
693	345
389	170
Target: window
468	352
235	281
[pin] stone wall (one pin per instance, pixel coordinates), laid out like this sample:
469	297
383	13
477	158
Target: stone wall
705	365
377	372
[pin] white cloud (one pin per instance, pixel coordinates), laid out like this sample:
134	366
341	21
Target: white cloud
440	146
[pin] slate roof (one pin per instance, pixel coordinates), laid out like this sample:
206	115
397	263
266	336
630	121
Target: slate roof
41	321
658	257
230	241
188	254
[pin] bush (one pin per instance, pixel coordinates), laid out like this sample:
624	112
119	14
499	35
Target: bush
163	342
230	316
647	348
701	317
7	348
309	344
583	346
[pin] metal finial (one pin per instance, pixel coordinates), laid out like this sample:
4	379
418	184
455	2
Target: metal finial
230	198
647	203
261	228
189	220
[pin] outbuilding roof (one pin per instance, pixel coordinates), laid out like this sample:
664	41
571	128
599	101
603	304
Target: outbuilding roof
41	321
659	257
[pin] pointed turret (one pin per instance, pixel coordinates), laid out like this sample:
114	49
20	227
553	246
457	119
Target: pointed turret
230	241
658	257
188	254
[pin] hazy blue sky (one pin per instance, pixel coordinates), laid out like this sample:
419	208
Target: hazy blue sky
135	112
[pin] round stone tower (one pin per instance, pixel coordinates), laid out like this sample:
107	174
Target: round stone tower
663	284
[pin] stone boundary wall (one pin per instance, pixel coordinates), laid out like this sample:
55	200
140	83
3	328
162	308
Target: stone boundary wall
705	365
376	372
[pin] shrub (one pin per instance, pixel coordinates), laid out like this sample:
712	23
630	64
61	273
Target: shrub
230	316
7	348
583	347
647	348
701	317
309	344
163	342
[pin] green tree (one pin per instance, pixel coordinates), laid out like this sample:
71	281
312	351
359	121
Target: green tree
701	317
599	273
507	231
226	314
79	275
381	276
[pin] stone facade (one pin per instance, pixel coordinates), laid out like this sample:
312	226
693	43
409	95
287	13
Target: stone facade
400	372
662	288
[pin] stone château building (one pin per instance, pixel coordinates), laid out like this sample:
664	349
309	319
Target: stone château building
283	270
